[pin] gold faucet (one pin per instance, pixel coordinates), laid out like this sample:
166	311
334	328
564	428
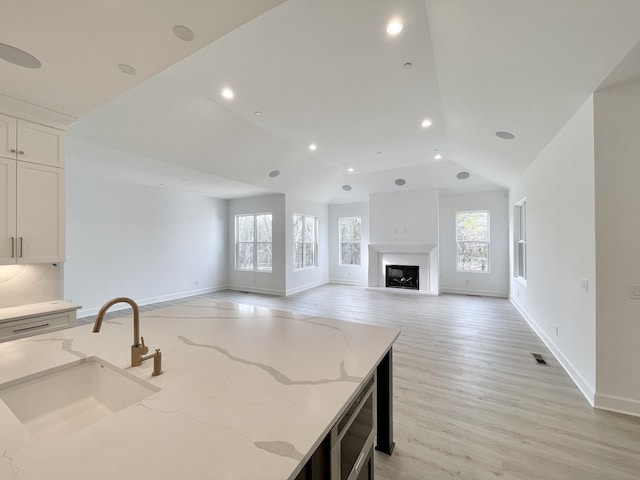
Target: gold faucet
138	349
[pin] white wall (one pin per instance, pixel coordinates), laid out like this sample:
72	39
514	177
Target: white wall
496	281
406	217
348	274
559	187
259	282
404	222
147	243
617	151
297	281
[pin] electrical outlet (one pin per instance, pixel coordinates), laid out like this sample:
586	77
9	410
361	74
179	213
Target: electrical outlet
556	330
196	283
584	285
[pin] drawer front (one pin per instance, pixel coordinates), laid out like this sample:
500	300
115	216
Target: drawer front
34	325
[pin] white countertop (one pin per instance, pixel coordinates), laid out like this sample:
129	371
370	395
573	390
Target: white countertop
33	309
246	393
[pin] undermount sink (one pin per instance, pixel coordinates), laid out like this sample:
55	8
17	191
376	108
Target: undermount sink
69	397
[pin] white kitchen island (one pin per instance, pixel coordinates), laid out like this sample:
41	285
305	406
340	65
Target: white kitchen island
246	393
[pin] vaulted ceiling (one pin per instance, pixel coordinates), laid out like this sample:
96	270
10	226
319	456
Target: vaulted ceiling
322	72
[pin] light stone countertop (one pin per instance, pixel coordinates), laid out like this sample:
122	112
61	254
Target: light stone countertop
247	393
8	314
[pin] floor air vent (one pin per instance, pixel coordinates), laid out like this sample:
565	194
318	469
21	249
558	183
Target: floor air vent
538	358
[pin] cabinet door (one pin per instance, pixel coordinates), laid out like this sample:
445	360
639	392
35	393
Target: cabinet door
40	144
40	213
7	211
8	137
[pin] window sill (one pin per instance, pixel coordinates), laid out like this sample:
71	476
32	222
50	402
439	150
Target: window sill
522	281
304	268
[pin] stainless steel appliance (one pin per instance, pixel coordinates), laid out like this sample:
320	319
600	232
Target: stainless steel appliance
352	438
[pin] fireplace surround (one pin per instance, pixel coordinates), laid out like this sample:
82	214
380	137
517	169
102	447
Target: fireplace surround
425	256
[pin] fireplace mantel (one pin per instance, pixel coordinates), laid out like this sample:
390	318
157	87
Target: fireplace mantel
402	247
423	254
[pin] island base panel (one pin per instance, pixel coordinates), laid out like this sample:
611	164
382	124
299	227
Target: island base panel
384	409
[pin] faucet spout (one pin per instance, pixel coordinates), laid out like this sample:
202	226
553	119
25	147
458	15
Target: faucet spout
136	317
138	349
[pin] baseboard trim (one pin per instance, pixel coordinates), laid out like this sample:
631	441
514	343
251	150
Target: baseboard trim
479	293
265	291
88	312
356	283
587	391
627	406
302	288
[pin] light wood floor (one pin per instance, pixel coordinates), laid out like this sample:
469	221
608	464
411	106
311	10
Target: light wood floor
470	401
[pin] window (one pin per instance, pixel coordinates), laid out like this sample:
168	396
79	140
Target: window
350	240
253	242
304	241
472	235
520	239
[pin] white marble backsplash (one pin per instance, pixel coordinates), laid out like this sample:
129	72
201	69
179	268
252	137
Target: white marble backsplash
24	284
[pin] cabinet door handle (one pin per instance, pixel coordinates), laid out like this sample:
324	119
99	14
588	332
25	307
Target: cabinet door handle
21	247
360	458
13	247
30	328
21	152
13	150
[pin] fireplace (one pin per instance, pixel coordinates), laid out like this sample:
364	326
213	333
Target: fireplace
402	276
424	255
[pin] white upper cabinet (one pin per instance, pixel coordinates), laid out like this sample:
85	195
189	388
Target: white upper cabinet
8	137
31	192
40	214
31	142
8	233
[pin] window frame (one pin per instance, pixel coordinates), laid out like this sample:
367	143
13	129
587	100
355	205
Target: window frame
340	242
487	241
520	241
304	243
254	243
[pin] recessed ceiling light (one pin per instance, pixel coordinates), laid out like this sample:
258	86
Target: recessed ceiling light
18	57
408	65
426	123
183	33
437	156
274	173
127	69
400	182
394	27
350	169
505	135
227	93
258	113
346	188
313	147
378	153
462	175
